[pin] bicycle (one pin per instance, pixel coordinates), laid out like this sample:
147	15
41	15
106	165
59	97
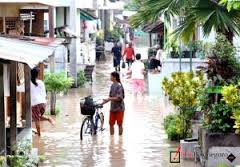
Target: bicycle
94	119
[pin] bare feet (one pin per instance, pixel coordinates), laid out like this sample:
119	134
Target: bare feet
36	132
120	130
112	130
51	121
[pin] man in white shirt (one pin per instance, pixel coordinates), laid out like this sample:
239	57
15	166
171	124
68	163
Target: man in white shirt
138	71
159	53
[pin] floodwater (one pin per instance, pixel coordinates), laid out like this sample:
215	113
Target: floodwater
144	142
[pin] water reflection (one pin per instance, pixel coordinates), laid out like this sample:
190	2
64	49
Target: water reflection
116	152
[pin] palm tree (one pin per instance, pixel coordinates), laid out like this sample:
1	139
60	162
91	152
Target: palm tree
230	4
206	13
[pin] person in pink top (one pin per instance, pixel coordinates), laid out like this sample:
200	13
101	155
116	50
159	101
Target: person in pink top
130	55
138	70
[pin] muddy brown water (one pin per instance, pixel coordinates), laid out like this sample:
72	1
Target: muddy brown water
144	142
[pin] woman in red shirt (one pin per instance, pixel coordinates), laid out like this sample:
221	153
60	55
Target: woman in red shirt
130	55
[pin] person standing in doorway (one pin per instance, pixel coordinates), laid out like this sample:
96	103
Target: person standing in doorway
116	51
38	100
116	97
159	56
130	55
155	61
137	74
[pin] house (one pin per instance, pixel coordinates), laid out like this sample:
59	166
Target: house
68	16
22	46
26	18
156	33
17	57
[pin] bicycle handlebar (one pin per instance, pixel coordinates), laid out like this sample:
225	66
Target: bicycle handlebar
98	106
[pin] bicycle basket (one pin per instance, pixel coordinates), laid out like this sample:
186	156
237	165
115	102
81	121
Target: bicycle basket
87	106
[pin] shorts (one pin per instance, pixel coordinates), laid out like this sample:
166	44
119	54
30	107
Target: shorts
116	117
138	85
129	62
38	111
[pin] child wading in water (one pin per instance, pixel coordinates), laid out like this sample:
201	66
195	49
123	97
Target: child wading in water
116	96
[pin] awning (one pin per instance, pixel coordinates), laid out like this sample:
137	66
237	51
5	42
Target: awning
86	16
154	28
30	53
43	2
120	19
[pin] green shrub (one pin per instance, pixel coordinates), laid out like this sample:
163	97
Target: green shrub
222	67
81	78
114	35
23	156
58	109
173	127
57	82
219	118
183	89
232	97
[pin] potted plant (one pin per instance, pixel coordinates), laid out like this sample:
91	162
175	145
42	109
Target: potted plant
56	83
220	102
183	89
222	66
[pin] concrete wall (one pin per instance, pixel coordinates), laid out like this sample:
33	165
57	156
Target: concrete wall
173	65
169	66
59	16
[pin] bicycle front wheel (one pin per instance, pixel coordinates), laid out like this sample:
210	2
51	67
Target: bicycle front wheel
101	116
87	128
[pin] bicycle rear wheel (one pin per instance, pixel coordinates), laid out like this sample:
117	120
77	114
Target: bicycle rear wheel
87	128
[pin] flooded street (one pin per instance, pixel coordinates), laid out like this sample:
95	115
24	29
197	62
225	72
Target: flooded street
144	142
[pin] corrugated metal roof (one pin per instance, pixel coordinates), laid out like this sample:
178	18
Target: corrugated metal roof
30	53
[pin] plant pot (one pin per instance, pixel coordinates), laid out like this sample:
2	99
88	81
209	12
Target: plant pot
195	126
186	54
187	148
174	54
217	148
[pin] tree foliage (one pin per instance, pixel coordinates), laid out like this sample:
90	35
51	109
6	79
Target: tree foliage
208	13
57	82
231	4
133	5
222	65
